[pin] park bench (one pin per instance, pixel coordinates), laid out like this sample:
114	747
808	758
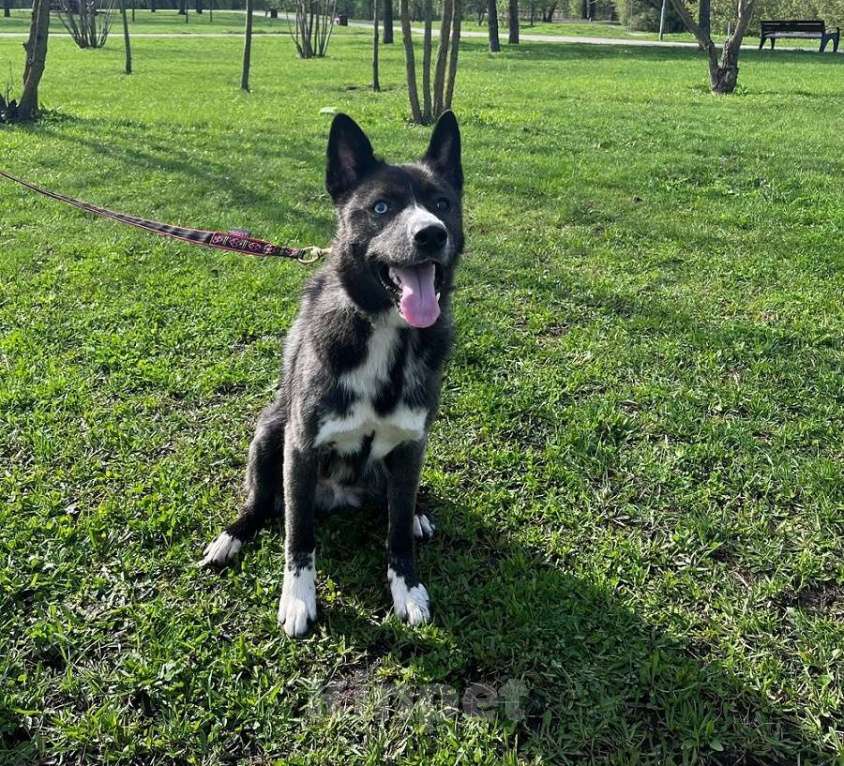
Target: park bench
798	29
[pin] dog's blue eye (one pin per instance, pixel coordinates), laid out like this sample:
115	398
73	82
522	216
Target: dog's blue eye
380	207
443	204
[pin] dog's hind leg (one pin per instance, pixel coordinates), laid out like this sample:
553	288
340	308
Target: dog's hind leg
263	487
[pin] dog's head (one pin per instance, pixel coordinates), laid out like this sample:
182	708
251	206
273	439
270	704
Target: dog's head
400	226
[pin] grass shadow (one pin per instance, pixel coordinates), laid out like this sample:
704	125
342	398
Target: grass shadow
599	683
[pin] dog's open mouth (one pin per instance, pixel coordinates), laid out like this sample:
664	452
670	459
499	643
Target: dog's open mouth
415	289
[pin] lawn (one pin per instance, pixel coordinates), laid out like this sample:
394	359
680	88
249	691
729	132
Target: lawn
165	22
637	468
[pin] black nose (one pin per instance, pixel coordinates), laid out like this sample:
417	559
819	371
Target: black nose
431	238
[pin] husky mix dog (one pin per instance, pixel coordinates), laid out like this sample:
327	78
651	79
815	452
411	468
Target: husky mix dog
362	367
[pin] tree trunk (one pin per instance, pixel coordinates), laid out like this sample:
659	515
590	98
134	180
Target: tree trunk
126	43
513	31
442	57
548	13
492	13
455	49
704	16
376	84
36	58
388	22
409	62
723	70
247	47
182	7
7	8
428	12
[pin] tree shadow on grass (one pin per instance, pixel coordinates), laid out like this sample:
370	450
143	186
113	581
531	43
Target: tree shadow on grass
599	684
202	176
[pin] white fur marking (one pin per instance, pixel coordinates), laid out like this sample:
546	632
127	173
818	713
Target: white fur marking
298	600
402	425
221	550
423	527
332	494
409	604
376	367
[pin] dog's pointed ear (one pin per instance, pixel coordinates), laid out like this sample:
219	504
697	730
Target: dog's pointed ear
350	157
443	155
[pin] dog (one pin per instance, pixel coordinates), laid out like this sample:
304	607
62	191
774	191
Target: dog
363	365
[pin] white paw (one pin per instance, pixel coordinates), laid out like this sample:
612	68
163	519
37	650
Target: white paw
423	527
220	551
297	608
410	604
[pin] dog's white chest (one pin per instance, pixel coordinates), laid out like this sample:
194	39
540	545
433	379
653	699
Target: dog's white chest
348	433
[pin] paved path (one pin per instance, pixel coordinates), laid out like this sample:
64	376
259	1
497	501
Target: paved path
527	38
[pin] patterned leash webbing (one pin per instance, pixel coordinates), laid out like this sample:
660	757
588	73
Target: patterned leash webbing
233	241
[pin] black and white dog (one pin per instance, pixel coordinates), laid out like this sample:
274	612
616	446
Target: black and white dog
362	367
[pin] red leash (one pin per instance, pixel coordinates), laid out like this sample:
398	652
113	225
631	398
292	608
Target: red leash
233	241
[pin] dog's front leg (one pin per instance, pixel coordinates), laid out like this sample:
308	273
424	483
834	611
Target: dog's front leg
297	608
410	598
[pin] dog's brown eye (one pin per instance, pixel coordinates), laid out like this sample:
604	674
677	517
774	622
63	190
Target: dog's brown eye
443	204
380	207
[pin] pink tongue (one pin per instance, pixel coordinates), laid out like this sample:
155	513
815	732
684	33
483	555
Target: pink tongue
418	305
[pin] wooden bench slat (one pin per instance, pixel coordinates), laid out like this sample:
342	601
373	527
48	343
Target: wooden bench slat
805	29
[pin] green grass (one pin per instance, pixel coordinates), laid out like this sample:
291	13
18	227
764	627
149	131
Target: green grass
232	22
620	32
166	22
636	472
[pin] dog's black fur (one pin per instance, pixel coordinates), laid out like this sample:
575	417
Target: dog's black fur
362	366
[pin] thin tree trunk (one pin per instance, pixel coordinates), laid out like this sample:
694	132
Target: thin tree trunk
376	85
247	47
455	49
126	43
442	57
409	62
704	16
428	12
36	58
7	8
492	13
513	32
388	22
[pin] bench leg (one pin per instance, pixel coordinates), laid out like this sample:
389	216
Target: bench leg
761	42
824	41
835	42
773	40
